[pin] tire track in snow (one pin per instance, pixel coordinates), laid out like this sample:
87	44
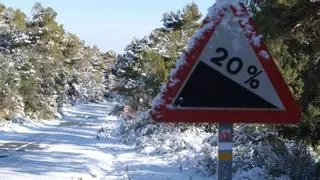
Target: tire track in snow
70	150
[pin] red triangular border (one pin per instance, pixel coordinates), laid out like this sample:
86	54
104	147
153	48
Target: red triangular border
163	111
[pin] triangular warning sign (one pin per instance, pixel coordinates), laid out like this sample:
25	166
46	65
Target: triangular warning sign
226	76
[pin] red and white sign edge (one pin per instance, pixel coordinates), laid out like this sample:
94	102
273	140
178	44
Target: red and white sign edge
163	110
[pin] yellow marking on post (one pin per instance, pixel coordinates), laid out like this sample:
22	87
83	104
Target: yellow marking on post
225	156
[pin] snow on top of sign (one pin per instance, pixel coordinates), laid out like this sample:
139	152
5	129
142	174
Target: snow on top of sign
173	82
170	106
256	40
264	54
214	12
244	19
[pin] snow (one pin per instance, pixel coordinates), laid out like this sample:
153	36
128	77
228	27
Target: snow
70	149
264	54
144	115
253	174
11	64
89	143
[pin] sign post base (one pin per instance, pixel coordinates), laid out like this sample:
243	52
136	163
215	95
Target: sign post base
225	151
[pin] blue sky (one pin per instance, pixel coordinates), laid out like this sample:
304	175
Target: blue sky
109	24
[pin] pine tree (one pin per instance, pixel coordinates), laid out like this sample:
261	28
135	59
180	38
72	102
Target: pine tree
291	29
42	66
147	62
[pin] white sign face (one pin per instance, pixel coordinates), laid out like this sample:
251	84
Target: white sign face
229	52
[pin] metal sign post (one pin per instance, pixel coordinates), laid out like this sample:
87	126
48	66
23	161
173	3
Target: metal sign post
225	151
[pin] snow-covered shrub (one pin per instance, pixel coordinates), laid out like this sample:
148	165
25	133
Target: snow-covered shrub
113	97
132	127
159	138
259	153
10	100
255	173
43	67
207	159
260	147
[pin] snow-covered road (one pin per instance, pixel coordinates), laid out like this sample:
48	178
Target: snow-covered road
70	149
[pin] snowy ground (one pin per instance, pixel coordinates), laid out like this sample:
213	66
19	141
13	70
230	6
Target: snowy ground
69	149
